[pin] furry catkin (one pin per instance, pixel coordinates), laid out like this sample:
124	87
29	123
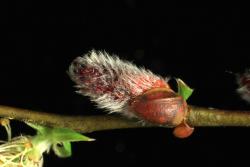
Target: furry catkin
110	82
244	85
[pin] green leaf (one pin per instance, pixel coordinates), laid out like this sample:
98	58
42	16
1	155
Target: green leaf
59	134
183	89
58	138
39	128
63	149
63	135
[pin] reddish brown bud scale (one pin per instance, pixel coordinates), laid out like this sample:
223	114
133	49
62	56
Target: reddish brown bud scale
183	130
160	106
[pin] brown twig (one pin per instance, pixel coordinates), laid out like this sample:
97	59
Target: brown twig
197	116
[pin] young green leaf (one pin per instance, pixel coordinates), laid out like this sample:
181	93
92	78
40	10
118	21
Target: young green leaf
58	138
39	128
183	89
63	135
59	134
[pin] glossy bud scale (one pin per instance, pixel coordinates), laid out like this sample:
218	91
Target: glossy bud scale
160	106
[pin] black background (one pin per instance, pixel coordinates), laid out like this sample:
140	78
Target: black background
196	42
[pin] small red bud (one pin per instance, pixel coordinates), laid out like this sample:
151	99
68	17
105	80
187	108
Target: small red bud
183	130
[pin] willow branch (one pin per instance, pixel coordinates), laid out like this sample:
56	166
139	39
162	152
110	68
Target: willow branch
197	116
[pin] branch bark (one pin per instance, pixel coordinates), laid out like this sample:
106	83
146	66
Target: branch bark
197	116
